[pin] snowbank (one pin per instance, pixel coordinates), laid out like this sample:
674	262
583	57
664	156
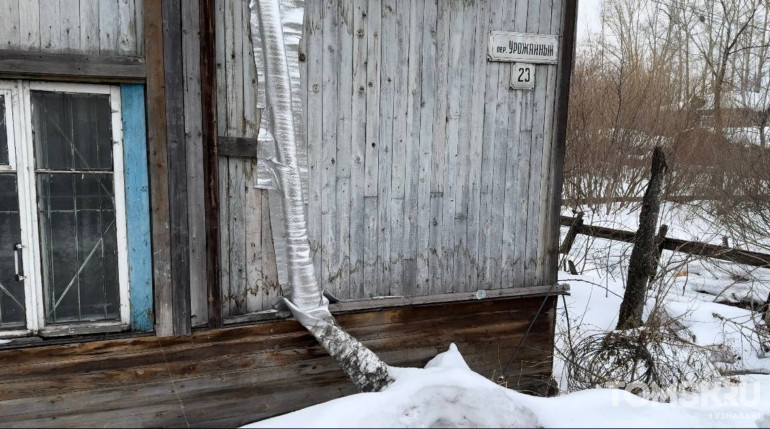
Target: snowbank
446	393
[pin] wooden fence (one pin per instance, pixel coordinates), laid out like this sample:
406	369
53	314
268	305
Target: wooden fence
674	244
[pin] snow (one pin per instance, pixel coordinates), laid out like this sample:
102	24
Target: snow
447	393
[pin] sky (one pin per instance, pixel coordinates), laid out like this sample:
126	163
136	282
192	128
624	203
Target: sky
588	17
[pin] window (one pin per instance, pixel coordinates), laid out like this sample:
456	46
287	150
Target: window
63	266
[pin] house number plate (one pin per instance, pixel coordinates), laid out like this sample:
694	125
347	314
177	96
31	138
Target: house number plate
523	76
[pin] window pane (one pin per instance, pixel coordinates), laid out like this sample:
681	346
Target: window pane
78	247
72	131
12	315
3	134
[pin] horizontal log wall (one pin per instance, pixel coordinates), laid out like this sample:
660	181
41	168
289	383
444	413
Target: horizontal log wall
229	377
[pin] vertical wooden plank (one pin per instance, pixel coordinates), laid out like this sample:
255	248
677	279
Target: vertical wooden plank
437	259
371	162
329	239
158	161
191	47
411	287
454	83
314	126
488	265
547	26
224	234
385	155
271	288
501	160
253	203
253	197
108	26
463	158
138	7
399	160
345	34
70	25
358	150
9	24
524	101
476	142
29	24
427	103
126	34
533	134
50	27
235	295
209	113
514	198
89	26
177	166
137	205
220	28
563	74
234	117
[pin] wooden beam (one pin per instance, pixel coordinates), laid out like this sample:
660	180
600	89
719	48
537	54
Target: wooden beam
210	159
177	166
369	304
158	158
71	67
237	146
677	245
564	73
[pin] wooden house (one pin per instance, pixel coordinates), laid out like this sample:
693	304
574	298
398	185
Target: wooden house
142	295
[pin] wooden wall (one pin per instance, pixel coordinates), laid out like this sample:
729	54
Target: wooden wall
249	277
104	27
427	173
233	376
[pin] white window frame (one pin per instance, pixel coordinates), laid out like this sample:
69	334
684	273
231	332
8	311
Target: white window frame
23	148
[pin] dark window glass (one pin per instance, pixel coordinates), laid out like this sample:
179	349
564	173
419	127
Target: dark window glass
12	315
72	131
76	206
3	134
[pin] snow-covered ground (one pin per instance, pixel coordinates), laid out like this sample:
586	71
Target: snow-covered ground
446	393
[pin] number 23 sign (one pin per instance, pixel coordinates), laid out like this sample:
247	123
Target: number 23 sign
523	76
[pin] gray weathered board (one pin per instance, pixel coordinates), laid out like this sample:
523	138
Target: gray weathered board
428	174
112	27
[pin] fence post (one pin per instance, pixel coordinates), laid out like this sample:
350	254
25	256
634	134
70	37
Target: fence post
655	262
639	269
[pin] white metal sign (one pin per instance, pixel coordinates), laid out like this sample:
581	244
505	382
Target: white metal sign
529	48
523	76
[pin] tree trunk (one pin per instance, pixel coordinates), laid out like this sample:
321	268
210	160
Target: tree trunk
639	267
303	294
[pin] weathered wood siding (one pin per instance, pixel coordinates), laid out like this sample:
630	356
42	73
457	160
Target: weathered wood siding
249	277
229	377
427	173
104	27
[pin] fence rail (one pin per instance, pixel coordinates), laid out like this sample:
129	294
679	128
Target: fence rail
677	245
